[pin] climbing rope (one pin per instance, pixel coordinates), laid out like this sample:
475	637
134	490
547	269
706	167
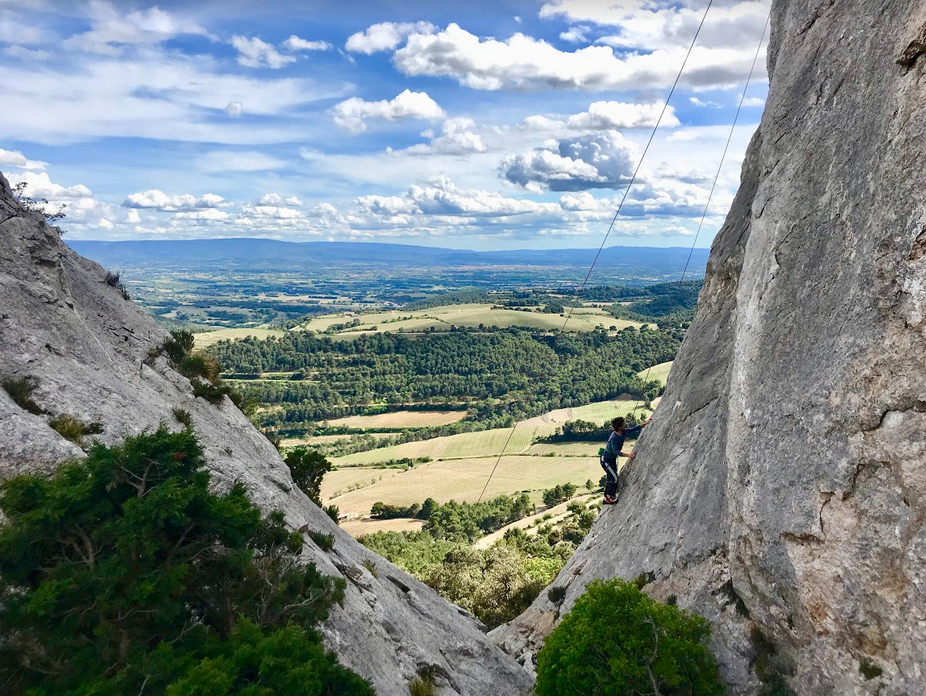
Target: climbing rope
617	213
723	158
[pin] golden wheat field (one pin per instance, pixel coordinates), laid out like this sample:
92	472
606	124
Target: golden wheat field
400	419
457	479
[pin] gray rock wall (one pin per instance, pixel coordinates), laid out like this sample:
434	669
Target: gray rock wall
87	346
780	489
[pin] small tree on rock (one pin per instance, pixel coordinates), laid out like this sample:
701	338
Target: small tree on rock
617	641
308	467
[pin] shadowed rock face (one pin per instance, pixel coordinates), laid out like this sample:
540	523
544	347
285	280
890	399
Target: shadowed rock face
781	487
87	346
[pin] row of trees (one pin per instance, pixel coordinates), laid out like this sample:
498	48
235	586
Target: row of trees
508	374
460	522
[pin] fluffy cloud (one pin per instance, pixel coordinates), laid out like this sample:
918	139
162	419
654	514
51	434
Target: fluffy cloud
294	43
385	36
209	215
665	25
442	208
272	212
607	115
441	197
14	158
456	138
111	31
754	102
234	109
83	213
604	160
522	63
254	53
159	200
278	200
352	114
39	185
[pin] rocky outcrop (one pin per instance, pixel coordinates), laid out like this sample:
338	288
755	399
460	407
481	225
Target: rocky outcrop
88	348
781	489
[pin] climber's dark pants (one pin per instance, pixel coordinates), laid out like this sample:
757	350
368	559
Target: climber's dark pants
610	468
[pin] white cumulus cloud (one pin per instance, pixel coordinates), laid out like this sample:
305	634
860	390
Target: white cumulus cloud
275	199
663	25
604	160
39	185
456	138
385	36
607	115
443	198
272	212
158	200
523	63
352	114
14	158
209	215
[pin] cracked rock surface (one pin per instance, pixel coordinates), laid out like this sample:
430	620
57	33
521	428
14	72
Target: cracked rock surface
87	347
781	487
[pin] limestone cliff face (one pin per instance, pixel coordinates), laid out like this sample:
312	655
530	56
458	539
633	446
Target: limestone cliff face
781	488
87	347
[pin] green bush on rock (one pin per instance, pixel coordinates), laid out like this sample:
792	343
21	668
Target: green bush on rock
617	641
125	574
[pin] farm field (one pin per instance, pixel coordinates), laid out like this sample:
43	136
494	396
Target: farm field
567	449
461	480
210	338
361	527
598	412
400	419
466	315
487	443
336	483
658	372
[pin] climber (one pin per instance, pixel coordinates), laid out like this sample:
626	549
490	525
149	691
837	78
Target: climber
611	451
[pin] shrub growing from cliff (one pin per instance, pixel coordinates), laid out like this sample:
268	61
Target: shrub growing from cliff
124	574
308	468
617	641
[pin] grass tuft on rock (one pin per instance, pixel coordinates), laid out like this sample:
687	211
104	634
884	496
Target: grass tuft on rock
21	391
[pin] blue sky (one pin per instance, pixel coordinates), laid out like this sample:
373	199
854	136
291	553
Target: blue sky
485	125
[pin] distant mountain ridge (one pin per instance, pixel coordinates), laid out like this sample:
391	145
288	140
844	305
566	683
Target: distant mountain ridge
264	253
